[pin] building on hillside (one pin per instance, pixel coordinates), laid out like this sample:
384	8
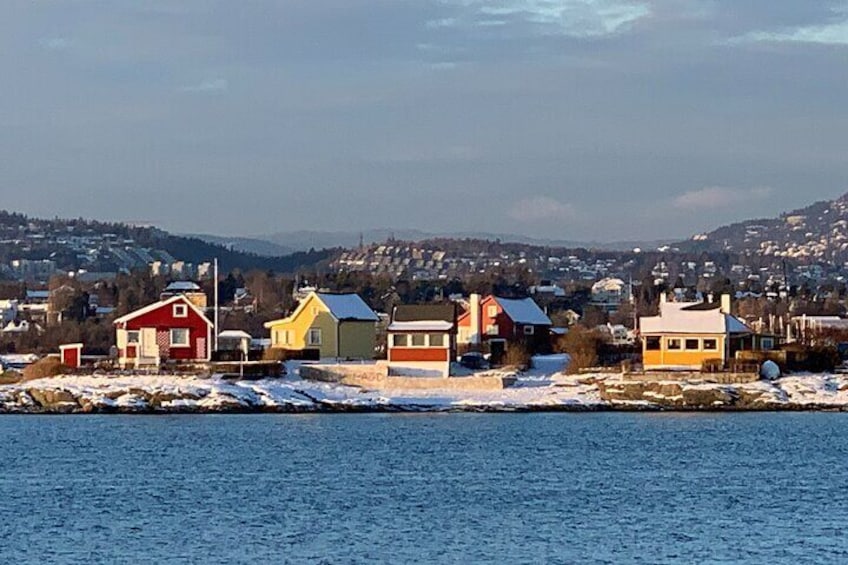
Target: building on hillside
609	293
8	310
190	290
174	329
422	340
338	326
686	334
499	322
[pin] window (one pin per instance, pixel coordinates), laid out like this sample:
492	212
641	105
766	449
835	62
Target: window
180	311
437	340
528	330
492	329
673	344
691	345
652	343
419	340
710	345
287	337
493	311
179	337
133	336
314	336
767	343
400	340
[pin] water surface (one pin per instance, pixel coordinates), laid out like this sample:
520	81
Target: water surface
453	488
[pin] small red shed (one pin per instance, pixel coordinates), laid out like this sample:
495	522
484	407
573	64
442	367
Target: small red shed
71	355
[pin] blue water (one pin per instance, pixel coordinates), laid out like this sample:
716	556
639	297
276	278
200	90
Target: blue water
451	488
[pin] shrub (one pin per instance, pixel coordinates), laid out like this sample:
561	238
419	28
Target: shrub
517	356
274	354
581	345
46	367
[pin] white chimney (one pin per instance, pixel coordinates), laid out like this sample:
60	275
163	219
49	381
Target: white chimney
474	318
725	303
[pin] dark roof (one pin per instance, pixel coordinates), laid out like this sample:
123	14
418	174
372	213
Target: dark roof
420	312
704	306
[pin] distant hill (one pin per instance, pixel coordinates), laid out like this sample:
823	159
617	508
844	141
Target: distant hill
305	239
817	232
95	246
251	245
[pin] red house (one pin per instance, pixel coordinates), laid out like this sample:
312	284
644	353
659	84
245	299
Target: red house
171	329
501	321
422	340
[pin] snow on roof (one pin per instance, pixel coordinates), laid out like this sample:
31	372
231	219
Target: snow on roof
182	286
235	334
524	311
420	326
608	285
679	317
347	307
151	307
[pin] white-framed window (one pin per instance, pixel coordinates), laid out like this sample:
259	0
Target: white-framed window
492	311
179	337
287	337
710	344
437	340
400	340
692	344
492	329
419	340
529	330
314	336
133	336
673	344
180	311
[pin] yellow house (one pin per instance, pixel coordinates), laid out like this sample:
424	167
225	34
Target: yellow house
685	334
337	325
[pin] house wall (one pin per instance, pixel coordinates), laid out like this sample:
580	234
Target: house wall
162	321
313	314
357	339
665	358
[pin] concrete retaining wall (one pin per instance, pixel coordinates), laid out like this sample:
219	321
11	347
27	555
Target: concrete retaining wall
375	376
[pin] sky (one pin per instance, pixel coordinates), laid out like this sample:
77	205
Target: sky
590	120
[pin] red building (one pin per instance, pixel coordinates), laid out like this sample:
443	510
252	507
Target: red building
173	329
422	340
501	321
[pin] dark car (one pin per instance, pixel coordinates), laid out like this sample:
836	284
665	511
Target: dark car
473	360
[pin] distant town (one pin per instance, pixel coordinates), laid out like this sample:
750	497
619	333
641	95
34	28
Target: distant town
134	297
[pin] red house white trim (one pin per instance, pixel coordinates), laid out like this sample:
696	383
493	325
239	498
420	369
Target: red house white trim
420	348
171	329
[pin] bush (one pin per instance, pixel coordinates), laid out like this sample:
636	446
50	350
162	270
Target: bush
582	346
517	356
275	354
47	367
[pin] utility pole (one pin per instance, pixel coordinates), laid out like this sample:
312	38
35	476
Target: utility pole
215	300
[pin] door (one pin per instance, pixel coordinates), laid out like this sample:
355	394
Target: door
148	346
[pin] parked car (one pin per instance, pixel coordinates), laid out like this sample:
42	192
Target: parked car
473	360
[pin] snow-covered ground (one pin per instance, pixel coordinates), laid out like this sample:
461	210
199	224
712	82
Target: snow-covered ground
544	387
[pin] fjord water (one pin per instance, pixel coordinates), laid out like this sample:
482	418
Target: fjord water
465	488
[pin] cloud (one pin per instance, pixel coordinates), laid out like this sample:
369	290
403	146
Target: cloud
834	32
541	209
55	43
719	197
211	85
572	18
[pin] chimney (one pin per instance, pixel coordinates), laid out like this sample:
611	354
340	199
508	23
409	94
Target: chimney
725	303
474	319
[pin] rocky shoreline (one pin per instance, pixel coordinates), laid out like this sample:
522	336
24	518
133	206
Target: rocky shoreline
180	394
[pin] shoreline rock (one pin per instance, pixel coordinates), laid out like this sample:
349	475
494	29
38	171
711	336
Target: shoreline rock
179	394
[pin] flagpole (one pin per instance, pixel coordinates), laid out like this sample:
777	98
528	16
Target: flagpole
215	312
